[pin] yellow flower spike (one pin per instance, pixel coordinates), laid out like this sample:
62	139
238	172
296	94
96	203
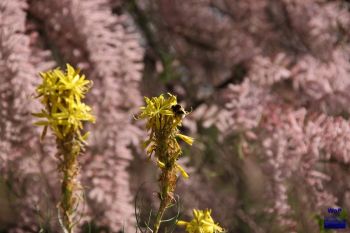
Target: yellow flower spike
61	94
202	222
164	116
160	118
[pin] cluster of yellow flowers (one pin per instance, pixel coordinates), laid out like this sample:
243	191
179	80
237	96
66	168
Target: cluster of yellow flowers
61	94
164	116
202	222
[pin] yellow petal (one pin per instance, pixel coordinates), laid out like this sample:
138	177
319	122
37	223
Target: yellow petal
85	136
182	171
166	112
146	143
41	123
160	164
40	115
181	223
187	139
70	70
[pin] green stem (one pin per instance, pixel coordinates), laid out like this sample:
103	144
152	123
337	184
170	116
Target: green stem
167	184
69	148
159	217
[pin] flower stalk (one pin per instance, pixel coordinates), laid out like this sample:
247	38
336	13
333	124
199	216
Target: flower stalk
64	113
164	116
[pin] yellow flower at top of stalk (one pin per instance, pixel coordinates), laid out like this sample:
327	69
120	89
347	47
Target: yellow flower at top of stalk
202	222
61	94
164	116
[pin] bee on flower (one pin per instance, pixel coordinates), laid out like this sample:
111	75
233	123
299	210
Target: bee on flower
163	117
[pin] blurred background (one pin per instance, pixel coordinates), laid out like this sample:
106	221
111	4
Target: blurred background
267	83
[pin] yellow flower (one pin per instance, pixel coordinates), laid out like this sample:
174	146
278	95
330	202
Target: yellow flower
178	168
164	116
202	223
155	110
162	122
61	93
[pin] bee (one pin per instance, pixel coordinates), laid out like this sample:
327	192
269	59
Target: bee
179	111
